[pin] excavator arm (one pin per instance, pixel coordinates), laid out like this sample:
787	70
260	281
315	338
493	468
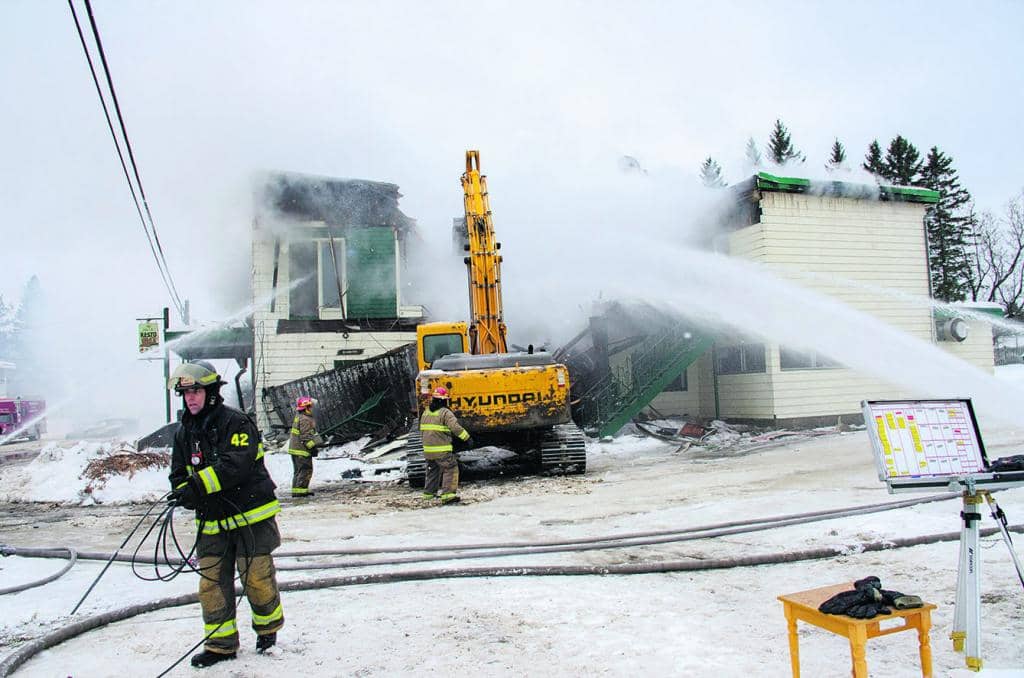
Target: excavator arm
487	323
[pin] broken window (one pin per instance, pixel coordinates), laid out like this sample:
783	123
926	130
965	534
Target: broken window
678	384
332	273
303	303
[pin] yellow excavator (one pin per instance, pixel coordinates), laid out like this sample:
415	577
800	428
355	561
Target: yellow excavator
513	400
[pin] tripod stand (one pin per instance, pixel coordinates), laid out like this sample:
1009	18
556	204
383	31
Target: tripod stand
966	634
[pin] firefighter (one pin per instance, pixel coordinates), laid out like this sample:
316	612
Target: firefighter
437	426
217	470
302	445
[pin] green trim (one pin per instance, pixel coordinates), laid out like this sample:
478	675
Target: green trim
696	348
945	313
912	194
769	182
298	453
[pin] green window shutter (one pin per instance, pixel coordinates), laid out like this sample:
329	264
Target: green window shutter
370	266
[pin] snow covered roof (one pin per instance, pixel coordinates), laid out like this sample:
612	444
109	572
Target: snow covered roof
763	181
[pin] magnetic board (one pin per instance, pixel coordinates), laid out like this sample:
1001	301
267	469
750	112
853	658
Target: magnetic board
924	439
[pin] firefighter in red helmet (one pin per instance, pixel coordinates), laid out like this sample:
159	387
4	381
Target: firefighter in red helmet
303	446
437	426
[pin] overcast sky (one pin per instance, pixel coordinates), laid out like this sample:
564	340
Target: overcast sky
552	93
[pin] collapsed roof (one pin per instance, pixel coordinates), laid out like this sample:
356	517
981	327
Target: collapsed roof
336	202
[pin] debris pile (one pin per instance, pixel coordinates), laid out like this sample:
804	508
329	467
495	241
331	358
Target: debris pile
125	461
719	438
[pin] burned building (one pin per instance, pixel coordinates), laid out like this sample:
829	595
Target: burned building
328	264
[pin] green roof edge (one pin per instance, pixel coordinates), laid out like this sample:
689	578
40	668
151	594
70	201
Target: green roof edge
770	182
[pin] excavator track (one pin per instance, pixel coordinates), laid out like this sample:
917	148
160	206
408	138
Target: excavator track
415	464
564	450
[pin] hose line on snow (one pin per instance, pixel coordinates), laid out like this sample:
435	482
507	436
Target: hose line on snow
77	628
622	540
69	553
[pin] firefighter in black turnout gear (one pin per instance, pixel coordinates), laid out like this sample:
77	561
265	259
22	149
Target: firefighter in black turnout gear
217	470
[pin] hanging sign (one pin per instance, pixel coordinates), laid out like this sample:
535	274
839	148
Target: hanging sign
149	335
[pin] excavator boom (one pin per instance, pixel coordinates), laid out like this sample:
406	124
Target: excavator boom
487	329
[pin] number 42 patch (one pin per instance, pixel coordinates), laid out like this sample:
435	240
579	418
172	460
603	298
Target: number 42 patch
240	440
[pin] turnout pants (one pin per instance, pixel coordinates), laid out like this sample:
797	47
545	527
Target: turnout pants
302	468
248	550
442	471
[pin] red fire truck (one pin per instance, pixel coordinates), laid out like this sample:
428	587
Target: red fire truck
22	418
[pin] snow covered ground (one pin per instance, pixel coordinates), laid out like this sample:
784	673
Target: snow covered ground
725	621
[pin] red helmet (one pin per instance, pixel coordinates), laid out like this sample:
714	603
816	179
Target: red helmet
441	392
304	403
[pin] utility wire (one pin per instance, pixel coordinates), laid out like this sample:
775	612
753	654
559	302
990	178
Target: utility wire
150	228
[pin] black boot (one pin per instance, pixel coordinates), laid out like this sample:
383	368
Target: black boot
207	658
265	642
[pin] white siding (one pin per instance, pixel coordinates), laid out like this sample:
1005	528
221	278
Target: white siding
874	245
976	348
683	402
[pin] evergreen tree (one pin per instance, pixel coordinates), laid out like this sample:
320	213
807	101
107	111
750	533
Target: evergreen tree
26	338
902	165
6	329
873	161
780	147
837	158
711	174
753	155
950	224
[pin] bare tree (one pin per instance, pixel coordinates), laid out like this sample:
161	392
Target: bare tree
998	274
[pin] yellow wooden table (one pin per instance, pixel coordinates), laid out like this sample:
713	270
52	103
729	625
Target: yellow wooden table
803	606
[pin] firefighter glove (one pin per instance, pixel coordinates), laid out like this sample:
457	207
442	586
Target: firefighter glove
867	610
187	496
469	443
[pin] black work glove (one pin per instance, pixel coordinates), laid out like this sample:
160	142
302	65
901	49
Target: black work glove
843	601
187	496
867	610
469	443
314	452
868	583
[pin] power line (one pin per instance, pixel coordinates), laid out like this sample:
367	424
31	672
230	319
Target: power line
148	228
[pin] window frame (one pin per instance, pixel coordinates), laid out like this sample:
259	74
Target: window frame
745	352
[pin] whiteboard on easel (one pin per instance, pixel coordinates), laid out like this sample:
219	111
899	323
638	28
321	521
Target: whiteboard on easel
924	439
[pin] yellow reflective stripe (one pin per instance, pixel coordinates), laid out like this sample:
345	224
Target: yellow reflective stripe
207	380
435	427
251	516
295	431
210	480
437	448
298	453
264	619
311	444
299	490
464	435
259	451
228	628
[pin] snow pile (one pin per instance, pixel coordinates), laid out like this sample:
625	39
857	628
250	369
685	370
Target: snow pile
113	472
72	475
